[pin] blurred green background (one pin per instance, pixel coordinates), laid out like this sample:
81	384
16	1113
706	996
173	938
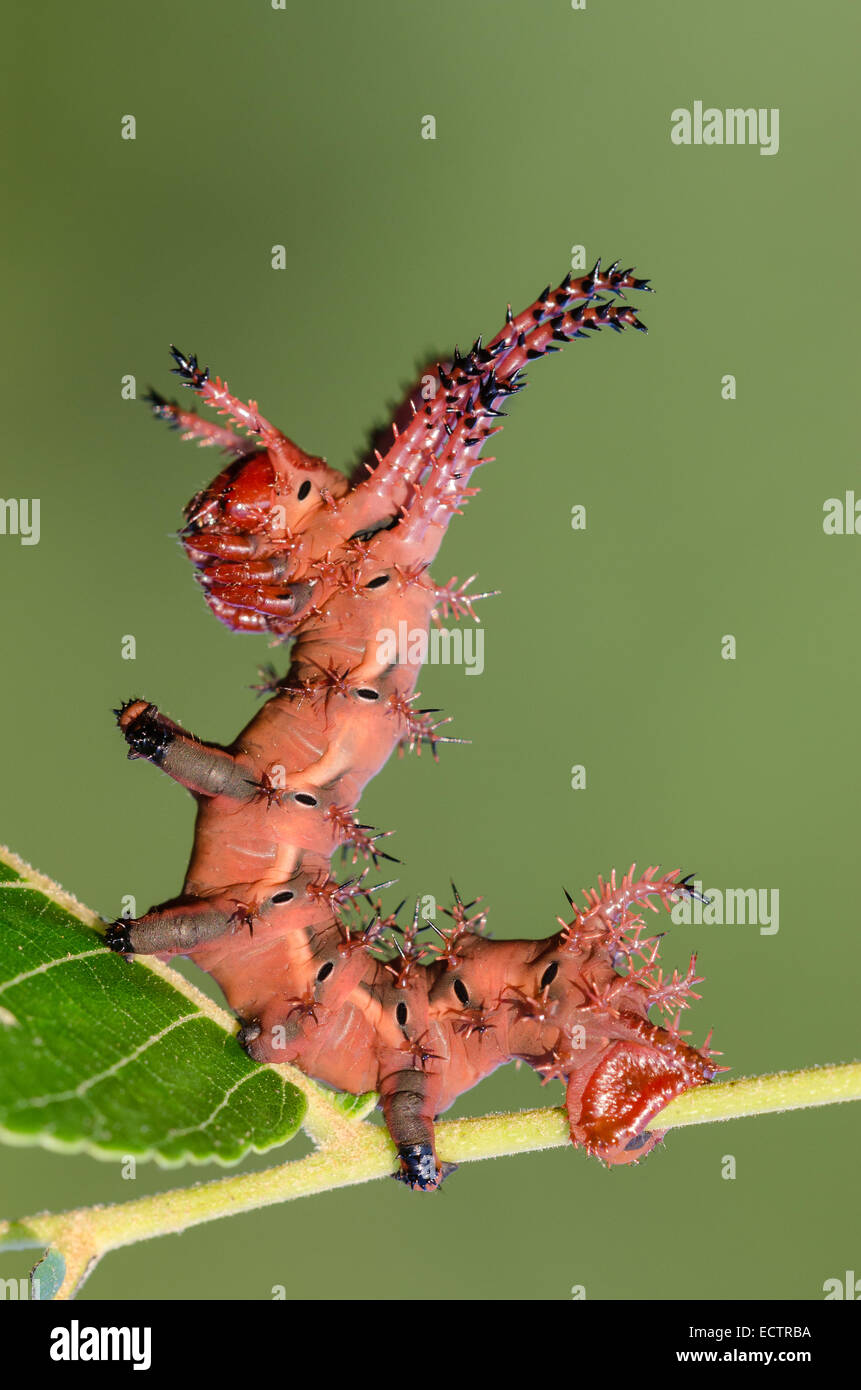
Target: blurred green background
258	126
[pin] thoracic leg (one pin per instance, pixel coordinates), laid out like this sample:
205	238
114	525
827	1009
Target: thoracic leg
291	600
203	769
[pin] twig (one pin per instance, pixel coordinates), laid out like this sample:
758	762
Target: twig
352	1151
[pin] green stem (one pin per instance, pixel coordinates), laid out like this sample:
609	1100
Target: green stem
351	1152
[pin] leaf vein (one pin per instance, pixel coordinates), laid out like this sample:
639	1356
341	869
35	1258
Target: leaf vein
49	965
79	1091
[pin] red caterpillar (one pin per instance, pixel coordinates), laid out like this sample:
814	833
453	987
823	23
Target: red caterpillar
284	544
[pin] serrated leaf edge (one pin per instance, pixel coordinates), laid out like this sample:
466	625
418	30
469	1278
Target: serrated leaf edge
31	878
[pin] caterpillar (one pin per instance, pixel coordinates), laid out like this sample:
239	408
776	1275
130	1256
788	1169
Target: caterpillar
284	544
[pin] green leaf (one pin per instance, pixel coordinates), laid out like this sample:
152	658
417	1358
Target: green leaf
47	1276
116	1057
355	1107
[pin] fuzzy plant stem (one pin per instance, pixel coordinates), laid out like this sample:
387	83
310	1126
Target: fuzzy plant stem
350	1151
